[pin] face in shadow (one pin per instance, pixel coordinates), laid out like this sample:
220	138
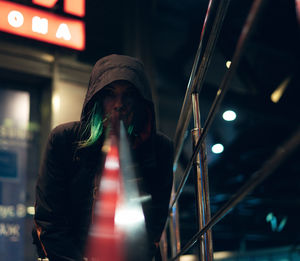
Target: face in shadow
120	101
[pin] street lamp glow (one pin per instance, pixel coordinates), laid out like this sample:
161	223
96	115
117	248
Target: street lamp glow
217	148
56	102
229	115
228	63
31	210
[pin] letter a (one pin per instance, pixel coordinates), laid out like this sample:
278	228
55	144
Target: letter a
63	32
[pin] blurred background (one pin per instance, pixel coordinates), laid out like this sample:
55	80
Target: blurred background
43	83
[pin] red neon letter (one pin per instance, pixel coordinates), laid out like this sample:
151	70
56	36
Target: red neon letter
46	3
74	7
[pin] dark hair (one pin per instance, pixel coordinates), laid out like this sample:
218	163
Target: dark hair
93	127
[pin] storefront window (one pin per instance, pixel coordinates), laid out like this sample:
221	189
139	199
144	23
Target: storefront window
14	137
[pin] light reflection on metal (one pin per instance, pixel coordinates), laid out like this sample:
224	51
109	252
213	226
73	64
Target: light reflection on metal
201	186
163	245
277	94
174	229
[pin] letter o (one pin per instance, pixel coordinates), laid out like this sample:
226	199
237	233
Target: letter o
15	18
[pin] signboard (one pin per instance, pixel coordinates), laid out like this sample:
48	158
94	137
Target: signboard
45	26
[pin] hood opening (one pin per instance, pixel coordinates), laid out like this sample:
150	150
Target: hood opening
120	68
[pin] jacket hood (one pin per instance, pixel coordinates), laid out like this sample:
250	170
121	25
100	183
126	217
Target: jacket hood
114	68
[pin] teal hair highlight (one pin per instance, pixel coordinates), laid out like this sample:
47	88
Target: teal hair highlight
94	127
130	129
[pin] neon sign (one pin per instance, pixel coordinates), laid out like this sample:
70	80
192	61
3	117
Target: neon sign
44	26
74	7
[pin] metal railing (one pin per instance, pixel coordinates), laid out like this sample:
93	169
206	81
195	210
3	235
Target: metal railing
212	25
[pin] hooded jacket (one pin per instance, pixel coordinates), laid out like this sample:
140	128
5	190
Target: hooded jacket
66	181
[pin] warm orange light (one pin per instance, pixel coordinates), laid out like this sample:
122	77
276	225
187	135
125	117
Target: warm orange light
40	25
74	7
45	3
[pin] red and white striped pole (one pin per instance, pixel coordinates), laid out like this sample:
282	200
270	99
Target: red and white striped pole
106	240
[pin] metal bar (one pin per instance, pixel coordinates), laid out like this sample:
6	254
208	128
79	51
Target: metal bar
206	199
244	37
163	245
213	21
203	244
173	223
216	28
200	207
186	110
257	177
174	230
202	188
198	183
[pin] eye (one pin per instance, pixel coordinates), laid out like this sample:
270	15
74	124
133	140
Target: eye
109	93
129	98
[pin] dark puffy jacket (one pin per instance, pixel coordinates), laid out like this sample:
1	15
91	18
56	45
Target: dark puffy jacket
64	190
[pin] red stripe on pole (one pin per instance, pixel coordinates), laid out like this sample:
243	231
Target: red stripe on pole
105	240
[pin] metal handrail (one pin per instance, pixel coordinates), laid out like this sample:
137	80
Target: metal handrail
244	37
194	86
214	18
205	244
256	178
212	24
213	21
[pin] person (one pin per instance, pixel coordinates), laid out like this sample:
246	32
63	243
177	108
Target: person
118	90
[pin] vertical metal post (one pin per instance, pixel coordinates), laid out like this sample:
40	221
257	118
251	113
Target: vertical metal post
174	229
198	182
163	245
201	186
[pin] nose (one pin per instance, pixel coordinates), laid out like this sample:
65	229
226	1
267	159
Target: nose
118	105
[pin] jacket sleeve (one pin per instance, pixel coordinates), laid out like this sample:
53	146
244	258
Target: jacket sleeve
51	209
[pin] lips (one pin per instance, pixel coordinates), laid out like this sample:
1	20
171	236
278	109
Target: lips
115	117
